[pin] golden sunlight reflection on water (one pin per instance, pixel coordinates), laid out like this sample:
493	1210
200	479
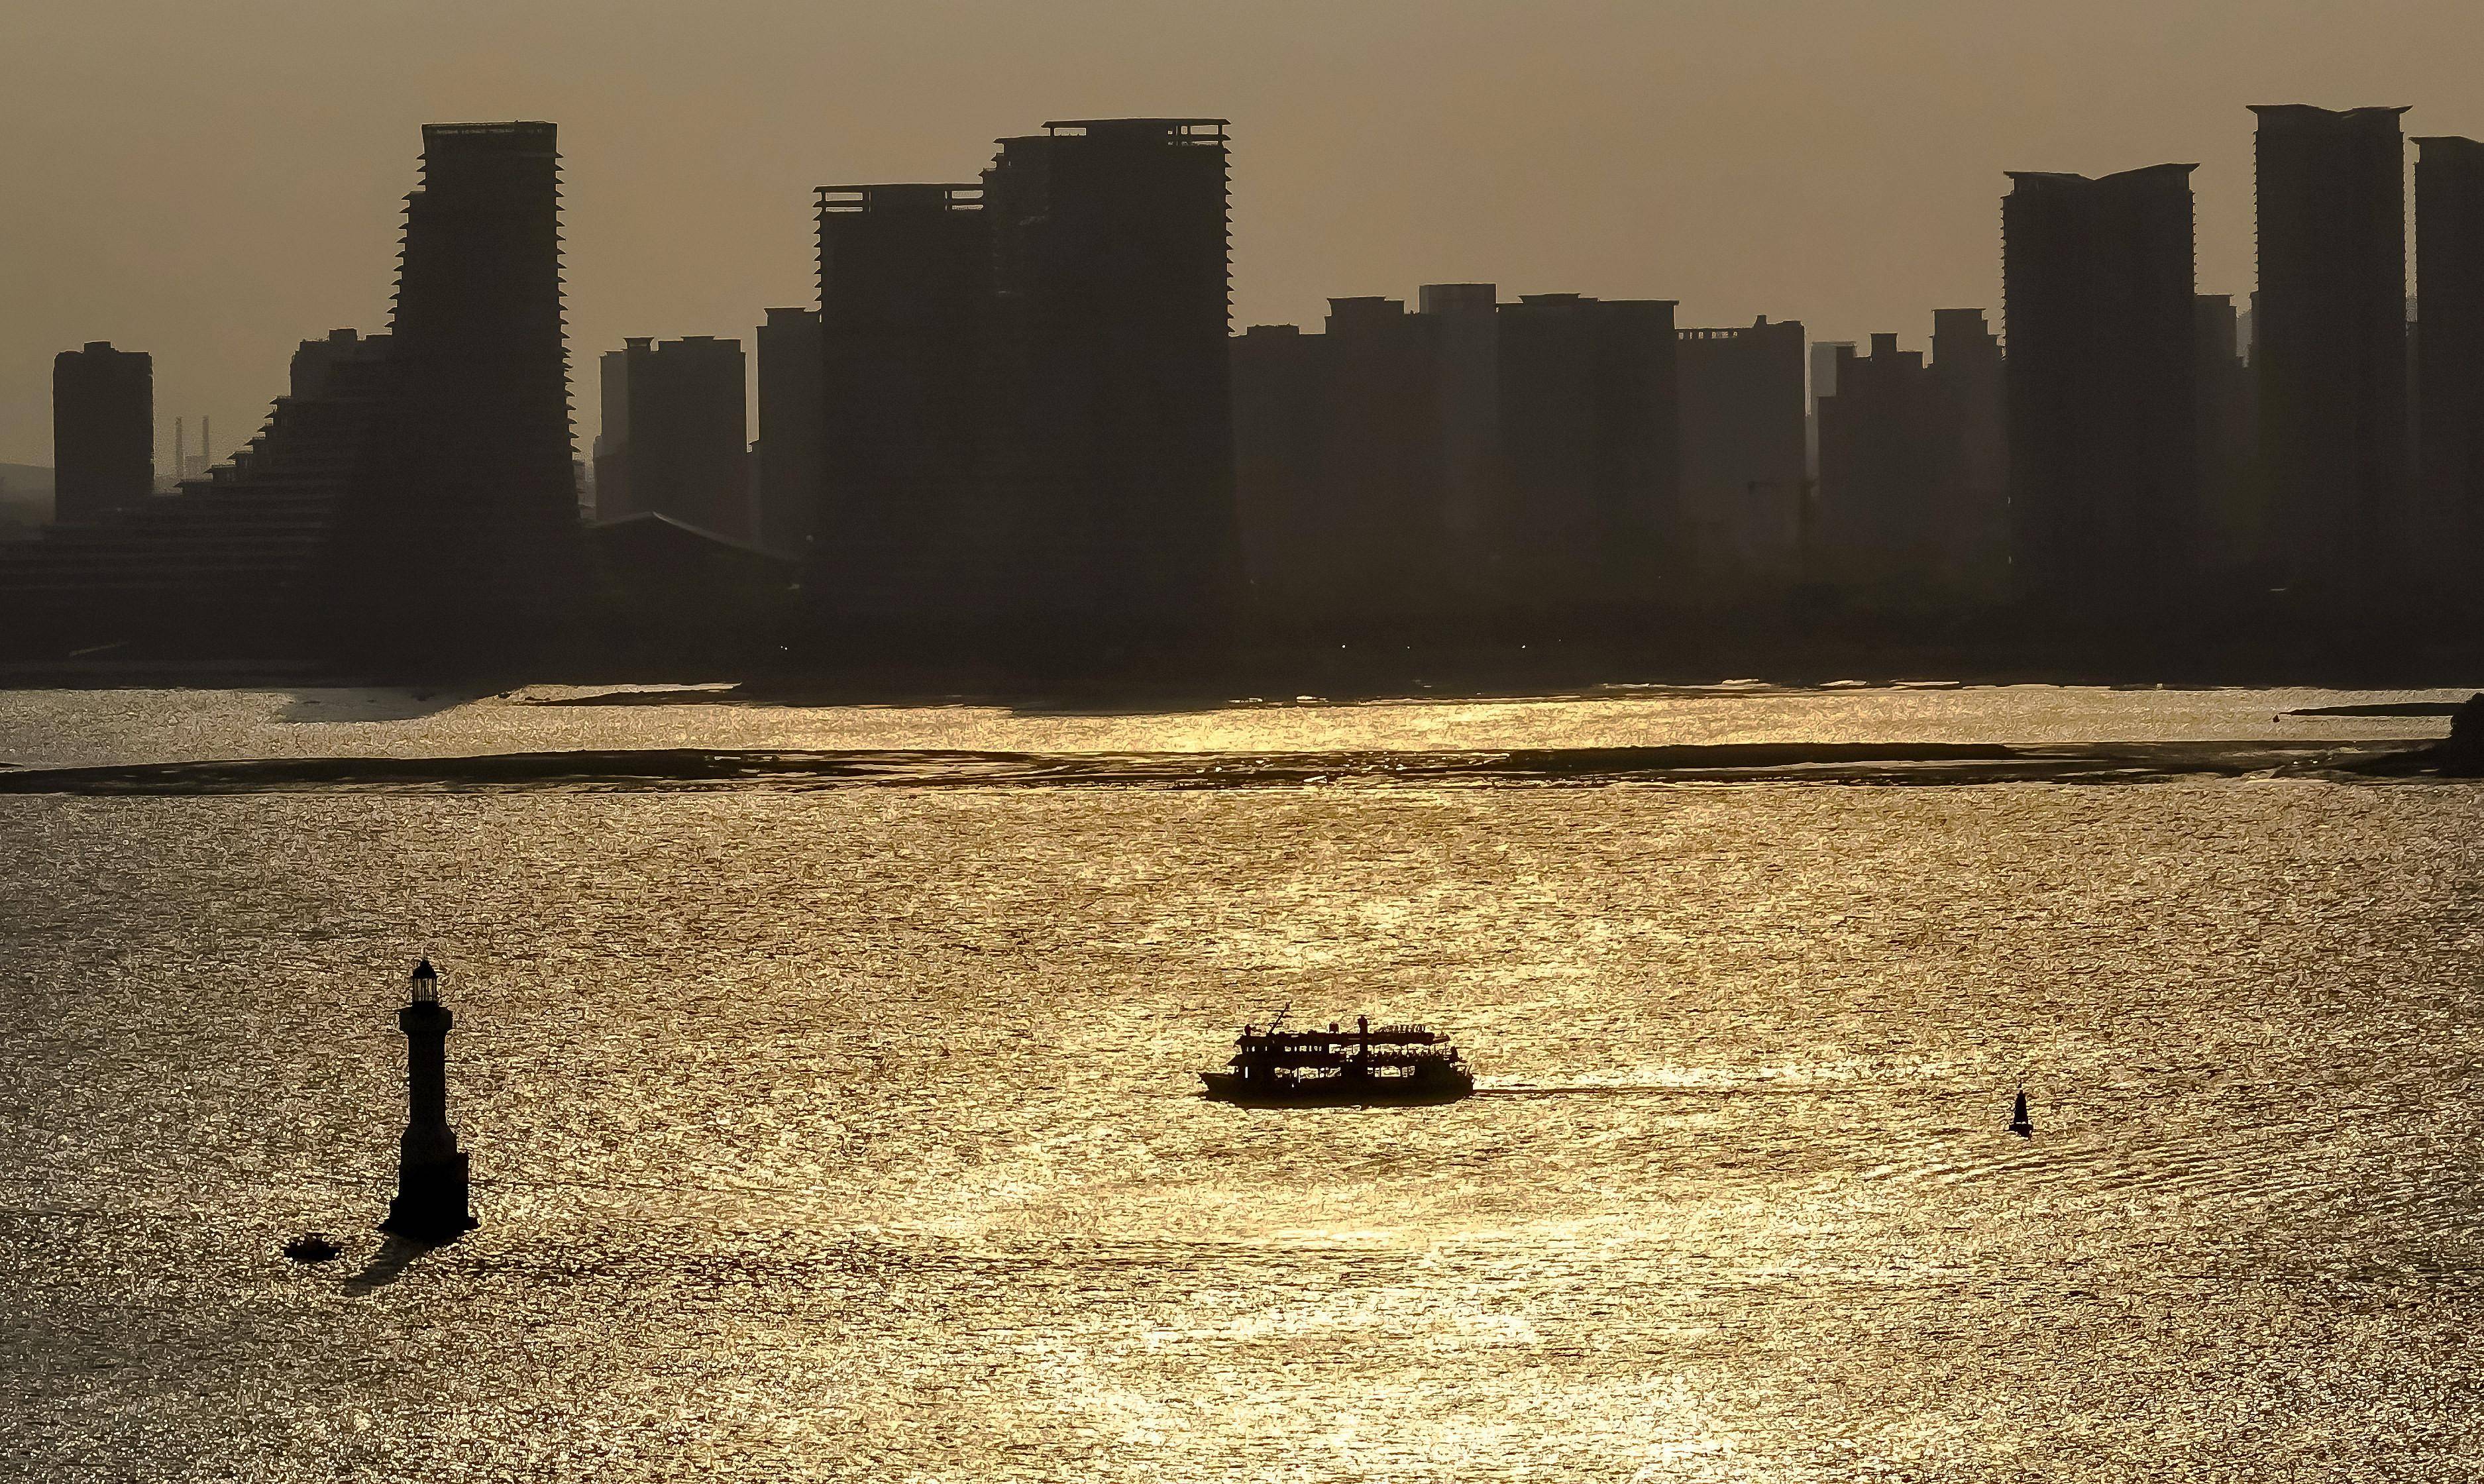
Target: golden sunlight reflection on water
853	1134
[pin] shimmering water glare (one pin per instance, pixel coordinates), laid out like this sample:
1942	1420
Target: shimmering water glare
853	1134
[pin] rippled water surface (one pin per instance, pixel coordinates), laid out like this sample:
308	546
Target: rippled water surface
852	1135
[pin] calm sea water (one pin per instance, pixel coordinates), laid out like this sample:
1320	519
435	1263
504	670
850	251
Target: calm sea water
852	1134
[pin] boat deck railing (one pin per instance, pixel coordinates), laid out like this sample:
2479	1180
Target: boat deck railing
1319	1056
1377	1036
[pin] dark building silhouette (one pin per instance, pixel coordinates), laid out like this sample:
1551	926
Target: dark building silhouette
1587	515
2450	359
103	431
612	436
1970	451
316	362
1364	459
1880	531
1744	462
410	499
906	541
1823	382
1114	453
467	492
673	593
1385	456
2228	439
2096	275
682	447
1463	323
2329	327
229	565
1280	431
793	410
1027	430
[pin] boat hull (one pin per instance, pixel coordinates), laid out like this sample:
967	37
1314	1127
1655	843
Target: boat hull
1333	1092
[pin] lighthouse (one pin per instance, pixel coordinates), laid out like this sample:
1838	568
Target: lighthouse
430	1204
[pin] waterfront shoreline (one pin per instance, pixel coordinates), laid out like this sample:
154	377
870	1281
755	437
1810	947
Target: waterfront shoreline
702	769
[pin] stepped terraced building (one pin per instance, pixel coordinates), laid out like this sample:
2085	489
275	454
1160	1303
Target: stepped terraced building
411	496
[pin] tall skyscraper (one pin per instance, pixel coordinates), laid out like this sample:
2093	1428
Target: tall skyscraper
1354	449
1385	458
1880	532
103	431
906	534
612	435
2229	504
1112	280
1743	430
2450	359
682	448
1464	323
467	495
1588	516
2329	333
791	413
1823	382
411	500
1971	450
2096	281
1280	435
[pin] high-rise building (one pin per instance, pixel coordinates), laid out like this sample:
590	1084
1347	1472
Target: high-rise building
1823	382
682	449
1384	458
1880	531
410	499
1743	432
2096	281
792	414
2329	327
2450	365
612	433
906	535
466	496
1588	514
1113	450
1464	328
103	431
1280	435
227	566
1352	450
1971	450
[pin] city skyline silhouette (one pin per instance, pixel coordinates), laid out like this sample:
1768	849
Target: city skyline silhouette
1738	163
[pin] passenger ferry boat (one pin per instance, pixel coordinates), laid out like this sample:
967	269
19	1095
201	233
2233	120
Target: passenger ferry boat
1389	1063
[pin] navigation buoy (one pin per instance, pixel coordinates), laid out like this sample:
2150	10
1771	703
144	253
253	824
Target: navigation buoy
2019	1123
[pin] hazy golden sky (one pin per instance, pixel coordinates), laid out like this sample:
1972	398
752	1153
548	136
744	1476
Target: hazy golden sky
213	180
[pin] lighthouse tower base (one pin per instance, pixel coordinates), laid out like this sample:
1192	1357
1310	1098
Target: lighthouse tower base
430	1204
